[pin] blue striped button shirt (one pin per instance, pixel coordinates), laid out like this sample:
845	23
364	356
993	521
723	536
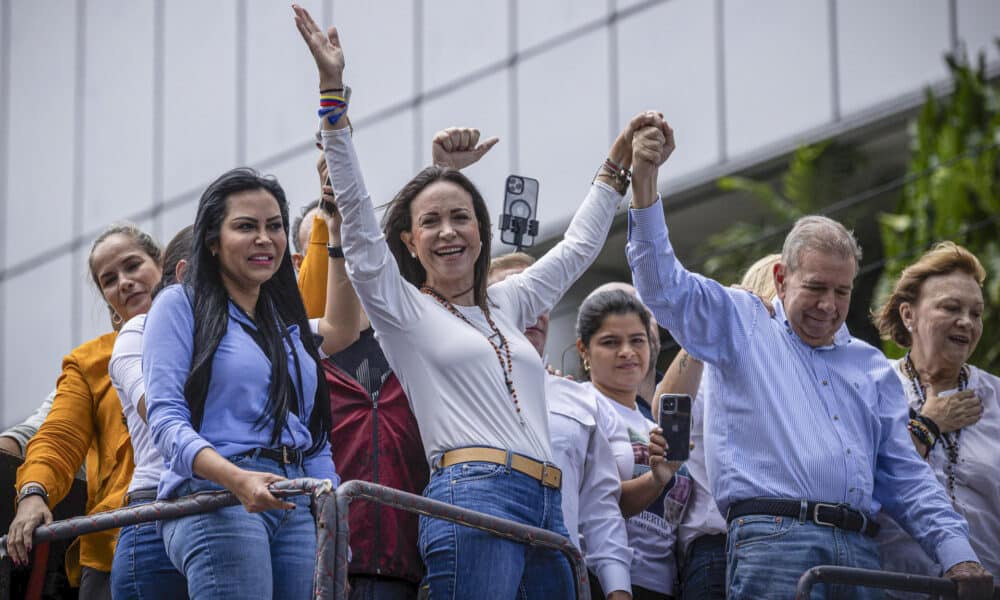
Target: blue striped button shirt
784	419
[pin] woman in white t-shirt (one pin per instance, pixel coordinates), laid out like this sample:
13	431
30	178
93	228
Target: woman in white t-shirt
613	329
935	312
474	381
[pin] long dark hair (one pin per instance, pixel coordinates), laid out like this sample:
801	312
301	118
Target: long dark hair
397	220
278	305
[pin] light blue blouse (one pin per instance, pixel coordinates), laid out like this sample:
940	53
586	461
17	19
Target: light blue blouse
237	393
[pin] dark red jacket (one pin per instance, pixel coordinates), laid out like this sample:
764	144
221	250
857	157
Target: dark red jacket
378	442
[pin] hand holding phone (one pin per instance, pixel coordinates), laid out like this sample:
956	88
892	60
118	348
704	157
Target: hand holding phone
675	420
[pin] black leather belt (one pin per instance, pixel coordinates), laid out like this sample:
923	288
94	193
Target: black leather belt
820	513
144	494
283	455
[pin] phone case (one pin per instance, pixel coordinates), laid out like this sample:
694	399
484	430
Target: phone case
676	425
520	207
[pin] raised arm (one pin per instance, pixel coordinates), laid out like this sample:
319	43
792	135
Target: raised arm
707	319
341	323
535	290
389	301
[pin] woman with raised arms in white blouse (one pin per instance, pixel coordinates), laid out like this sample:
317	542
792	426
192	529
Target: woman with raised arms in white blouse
475	382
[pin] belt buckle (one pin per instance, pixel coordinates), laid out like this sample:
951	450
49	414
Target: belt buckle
815	515
548	469
284	455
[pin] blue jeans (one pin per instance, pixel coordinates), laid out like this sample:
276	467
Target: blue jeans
230	553
141	569
768	555
703	576
467	563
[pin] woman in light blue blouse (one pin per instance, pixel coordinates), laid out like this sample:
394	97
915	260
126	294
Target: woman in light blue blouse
235	400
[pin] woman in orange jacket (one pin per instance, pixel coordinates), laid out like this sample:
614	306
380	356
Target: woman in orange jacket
86	418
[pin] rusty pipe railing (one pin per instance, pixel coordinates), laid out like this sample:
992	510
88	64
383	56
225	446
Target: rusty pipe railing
332	529
886	580
323	508
504	528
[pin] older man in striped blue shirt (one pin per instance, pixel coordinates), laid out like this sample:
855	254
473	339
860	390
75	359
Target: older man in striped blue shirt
805	430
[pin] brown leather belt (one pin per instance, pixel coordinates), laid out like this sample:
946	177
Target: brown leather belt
547	474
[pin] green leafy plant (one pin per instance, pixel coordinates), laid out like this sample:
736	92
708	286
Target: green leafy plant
815	177
953	192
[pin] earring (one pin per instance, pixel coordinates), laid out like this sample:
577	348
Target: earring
586	365
116	319
909	328
413	254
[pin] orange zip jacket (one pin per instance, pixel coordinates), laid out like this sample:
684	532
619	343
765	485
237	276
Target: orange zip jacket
86	421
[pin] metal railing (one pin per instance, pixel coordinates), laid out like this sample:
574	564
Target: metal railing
504	528
323	507
903	582
330	509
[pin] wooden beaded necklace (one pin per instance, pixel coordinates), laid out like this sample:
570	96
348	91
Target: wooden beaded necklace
950	440
504	358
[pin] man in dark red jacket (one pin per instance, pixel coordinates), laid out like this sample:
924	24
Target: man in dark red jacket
375	438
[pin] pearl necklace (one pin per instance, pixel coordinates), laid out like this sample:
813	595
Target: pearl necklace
504	358
950	440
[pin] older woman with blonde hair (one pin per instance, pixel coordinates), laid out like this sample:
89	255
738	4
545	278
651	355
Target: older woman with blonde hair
935	311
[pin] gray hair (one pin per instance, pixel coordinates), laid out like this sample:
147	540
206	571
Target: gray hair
814	232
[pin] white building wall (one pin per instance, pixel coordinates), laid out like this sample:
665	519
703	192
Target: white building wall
113	110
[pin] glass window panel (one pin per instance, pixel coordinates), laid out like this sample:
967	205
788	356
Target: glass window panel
461	36
563	128
118	145
676	42
777	55
889	48
200	89
40	138
37	334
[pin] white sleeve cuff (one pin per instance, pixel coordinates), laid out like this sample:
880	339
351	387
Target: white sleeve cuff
614	576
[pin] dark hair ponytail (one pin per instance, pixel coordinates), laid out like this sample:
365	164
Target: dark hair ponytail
278	306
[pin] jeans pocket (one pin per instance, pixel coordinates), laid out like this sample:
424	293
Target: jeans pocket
476	471
759	528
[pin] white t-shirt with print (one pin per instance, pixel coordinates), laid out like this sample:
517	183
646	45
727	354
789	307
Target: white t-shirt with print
650	535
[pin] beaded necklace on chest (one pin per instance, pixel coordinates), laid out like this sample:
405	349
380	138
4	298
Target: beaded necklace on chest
950	440
502	349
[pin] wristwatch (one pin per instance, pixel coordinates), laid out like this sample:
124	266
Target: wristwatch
335	251
32	489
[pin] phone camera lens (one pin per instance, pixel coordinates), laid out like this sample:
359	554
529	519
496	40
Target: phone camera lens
515	185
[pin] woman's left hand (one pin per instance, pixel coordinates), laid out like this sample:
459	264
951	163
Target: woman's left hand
459	147
325	48
251	487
